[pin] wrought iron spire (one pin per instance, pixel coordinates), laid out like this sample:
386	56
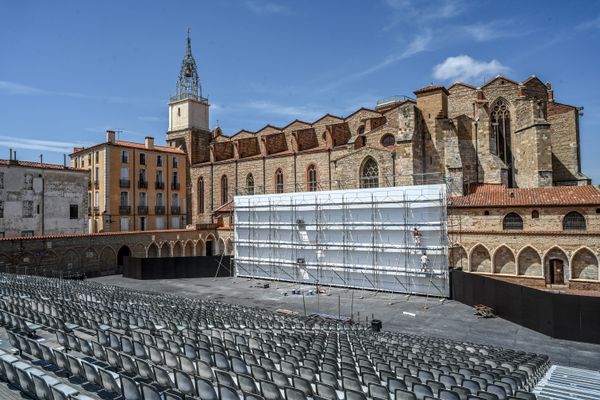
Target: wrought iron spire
188	83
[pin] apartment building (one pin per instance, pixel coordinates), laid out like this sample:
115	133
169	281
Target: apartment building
134	186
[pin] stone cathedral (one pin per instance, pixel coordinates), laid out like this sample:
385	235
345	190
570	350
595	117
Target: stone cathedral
505	132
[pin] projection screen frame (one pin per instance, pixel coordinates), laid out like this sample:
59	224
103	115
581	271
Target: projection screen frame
303	247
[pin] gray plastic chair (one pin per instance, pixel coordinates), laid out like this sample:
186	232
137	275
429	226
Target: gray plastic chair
149	392
184	383
269	390
378	391
129	365
227	393
110	381
62	391
446	394
145	370
91	373
247	384
350	394
205	389
130	389
400	394
326	391
75	366
42	384
294	394
163	378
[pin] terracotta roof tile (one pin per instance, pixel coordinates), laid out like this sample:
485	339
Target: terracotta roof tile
133	145
71	235
32	164
430	88
166	149
501	196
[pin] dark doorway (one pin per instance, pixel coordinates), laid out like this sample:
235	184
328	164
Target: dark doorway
557	276
123	252
209	248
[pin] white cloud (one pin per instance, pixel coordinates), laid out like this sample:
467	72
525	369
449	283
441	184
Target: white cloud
419	44
465	68
17	88
152	119
39	144
425	11
260	7
591	24
484	32
268	107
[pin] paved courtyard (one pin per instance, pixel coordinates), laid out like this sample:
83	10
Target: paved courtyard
414	314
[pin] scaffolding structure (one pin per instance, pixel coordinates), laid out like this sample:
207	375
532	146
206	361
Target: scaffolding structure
359	238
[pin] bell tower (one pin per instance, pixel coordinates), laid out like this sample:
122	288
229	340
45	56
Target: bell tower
188	112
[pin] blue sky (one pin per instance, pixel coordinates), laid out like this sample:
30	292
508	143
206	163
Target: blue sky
69	70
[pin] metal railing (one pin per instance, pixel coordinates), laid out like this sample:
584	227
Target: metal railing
159	185
143	184
142	210
124	210
159	210
124	183
175	210
175	185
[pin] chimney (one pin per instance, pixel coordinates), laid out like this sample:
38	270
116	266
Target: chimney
149	142
13	157
110	136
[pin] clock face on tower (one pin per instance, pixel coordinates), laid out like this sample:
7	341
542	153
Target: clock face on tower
189	72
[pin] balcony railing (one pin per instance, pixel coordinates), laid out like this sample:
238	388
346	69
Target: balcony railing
89	210
96	210
124	210
159	210
143	184
142	210
96	184
160	185
124	183
175	210
175	185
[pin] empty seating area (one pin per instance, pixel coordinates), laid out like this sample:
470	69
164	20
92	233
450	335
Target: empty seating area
85	340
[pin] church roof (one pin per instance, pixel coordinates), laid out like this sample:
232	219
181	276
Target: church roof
430	88
32	164
500	196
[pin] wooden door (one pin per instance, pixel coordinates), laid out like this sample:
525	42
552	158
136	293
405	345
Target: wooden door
557	272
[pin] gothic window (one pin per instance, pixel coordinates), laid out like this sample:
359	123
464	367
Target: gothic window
279	181
200	195
311	175
224	189
250	184
388	140
512	221
369	174
361	129
501	130
574	221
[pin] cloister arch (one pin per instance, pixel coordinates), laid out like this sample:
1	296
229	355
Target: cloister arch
200	248
228	247
71	260
108	257
188	249
177	249
504	261
480	259
165	249
529	262
139	250
153	250
458	258
584	265
556	266
221	247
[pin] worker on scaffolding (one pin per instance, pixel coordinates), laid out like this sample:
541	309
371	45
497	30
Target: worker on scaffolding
424	262
417	236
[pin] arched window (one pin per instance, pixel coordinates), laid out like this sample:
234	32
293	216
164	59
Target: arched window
361	129
501	130
573	221
200	195
224	189
279	181
250	184
369	174
535	214
512	221
388	140
311	176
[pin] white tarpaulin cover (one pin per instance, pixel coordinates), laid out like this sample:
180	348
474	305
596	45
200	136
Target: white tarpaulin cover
392	239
